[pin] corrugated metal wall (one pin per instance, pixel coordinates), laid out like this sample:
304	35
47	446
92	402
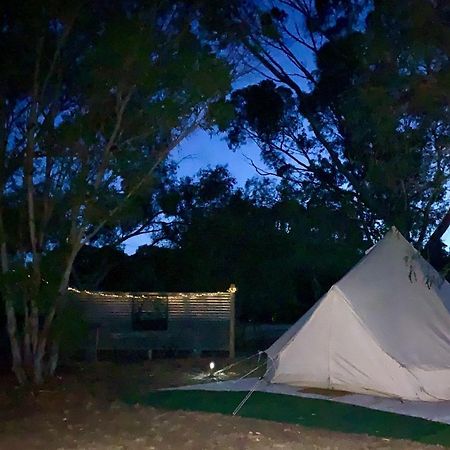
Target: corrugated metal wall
195	321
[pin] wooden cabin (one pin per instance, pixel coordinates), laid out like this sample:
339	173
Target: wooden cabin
172	322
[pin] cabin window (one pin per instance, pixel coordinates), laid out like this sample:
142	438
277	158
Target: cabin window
150	314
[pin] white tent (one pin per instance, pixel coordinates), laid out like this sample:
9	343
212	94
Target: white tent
383	329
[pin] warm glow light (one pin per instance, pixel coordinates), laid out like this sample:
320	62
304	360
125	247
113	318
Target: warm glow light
212	365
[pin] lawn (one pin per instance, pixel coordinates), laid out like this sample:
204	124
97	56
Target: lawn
303	411
82	409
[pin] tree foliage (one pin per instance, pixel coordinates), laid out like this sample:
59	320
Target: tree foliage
93	98
354	102
281	255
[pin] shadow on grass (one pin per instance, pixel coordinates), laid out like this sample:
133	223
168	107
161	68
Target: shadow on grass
303	411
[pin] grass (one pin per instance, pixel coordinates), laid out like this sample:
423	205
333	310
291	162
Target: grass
304	411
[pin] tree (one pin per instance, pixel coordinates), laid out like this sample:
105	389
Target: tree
93	264
94	96
281	254
354	103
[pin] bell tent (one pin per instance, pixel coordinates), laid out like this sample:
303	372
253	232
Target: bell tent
383	329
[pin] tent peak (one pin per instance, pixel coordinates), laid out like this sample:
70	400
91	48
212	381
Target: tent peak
383	328
395	231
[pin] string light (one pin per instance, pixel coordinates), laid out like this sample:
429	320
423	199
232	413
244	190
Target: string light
157	295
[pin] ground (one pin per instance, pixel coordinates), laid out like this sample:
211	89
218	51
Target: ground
82	409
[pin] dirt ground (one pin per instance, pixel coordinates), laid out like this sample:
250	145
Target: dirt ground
80	410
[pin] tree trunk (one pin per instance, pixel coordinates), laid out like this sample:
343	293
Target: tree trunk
34	326
54	357
439	231
27	353
17	363
38	366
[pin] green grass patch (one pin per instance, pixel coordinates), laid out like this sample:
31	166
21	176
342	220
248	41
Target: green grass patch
304	411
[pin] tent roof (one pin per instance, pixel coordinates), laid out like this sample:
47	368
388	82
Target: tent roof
400	299
384	328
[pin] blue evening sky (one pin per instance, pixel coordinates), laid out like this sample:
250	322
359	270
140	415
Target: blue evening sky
202	150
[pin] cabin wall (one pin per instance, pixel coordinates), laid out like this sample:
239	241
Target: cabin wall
193	322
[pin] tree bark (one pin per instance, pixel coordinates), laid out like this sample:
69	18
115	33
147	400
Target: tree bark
439	231
17	365
38	366
53	359
27	352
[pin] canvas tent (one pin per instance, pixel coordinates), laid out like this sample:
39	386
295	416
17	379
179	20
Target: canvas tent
383	329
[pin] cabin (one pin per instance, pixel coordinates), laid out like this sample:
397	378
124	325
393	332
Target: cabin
169	322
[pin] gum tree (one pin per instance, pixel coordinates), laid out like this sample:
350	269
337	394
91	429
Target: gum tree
353	103
94	96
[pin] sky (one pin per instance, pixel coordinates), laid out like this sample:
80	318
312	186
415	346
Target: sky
202	150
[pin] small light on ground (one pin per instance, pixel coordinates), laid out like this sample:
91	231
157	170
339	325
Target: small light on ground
212	365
